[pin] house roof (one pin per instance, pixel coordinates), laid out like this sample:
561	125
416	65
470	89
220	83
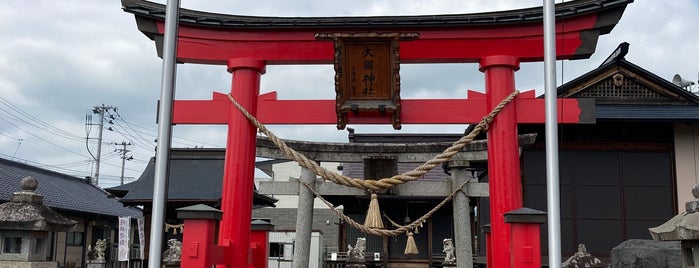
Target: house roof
356	170
195	175
625	91
438	173
61	192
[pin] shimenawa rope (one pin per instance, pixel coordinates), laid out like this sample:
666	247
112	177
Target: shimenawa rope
401	230
384	183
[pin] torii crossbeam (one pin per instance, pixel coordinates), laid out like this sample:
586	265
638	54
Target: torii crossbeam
497	41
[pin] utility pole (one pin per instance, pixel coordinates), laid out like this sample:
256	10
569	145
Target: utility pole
99	110
123	151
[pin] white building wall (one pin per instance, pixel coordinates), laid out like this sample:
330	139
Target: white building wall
686	161
290	171
287	239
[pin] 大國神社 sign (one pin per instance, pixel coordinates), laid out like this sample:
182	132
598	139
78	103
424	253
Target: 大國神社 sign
367	74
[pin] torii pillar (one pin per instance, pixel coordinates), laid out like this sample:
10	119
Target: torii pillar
240	153
503	173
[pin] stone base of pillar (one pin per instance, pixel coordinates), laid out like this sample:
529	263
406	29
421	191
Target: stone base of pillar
31	264
448	264
171	264
95	264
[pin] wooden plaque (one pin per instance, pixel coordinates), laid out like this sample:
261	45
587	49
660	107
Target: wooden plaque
367	71
367	74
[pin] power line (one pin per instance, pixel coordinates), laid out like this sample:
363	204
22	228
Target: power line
7	134
43	125
153	134
140	136
27	123
38	137
130	127
118	128
49	167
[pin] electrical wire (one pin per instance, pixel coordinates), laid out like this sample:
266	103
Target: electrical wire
26	122
153	133
66	171
45	140
142	137
36	122
6	134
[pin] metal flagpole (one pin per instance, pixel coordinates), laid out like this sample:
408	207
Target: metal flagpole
552	180
162	152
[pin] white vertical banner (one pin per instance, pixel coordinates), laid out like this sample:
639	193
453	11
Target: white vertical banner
124	229
141	237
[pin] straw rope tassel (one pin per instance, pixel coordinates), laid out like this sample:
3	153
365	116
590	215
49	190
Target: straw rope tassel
373	215
411	247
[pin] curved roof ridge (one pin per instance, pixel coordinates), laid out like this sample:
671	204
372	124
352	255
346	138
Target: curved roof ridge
524	15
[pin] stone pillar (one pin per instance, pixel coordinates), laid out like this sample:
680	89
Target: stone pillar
462	220
690	253
304	220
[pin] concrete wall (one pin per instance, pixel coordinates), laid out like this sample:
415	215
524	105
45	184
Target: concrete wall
686	161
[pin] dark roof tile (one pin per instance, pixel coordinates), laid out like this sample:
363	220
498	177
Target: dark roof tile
61	192
195	174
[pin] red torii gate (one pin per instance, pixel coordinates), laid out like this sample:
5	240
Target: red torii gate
497	41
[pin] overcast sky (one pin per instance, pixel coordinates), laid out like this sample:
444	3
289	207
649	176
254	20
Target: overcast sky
61	59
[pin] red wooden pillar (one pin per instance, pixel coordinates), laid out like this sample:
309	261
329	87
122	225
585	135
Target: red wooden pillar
488	243
239	169
503	152
259	243
526	239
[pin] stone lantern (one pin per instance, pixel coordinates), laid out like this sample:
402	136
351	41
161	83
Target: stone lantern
25	223
684	228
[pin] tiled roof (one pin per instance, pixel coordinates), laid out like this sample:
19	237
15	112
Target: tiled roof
356	170
195	175
615	61
642	96
61	192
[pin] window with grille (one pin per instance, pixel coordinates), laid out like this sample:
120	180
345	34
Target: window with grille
12	245
74	238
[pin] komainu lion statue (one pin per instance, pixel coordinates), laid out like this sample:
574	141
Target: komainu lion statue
174	251
356	253
96	254
448	248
